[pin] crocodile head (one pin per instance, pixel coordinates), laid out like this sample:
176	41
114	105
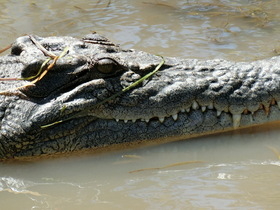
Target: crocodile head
68	108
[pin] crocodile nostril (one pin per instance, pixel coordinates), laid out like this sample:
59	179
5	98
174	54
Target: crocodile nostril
16	50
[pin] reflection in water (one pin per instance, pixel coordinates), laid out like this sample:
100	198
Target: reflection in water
243	30
228	170
215	186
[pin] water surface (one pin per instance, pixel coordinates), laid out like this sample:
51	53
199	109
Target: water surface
229	171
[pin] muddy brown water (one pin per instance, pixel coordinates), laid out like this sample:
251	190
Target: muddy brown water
237	170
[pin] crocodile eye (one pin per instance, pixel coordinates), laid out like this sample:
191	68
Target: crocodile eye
106	66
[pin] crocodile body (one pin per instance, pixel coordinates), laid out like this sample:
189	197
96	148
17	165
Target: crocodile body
185	98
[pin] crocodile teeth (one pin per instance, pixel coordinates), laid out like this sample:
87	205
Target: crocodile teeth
161	119
188	109
134	120
267	109
203	108
278	103
125	121
210	106
182	110
195	105
219	113
251	118
147	120
236	120
175	116
117	120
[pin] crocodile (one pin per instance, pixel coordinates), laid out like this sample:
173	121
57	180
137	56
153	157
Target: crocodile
185	98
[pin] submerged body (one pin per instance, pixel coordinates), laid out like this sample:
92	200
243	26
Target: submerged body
184	98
